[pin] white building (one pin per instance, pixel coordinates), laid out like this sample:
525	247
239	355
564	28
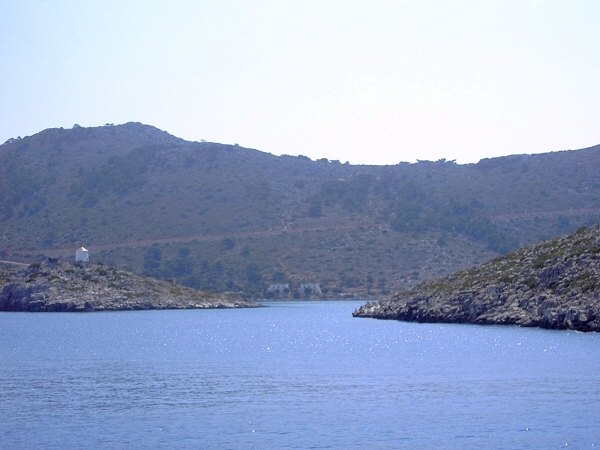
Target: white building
309	289
278	289
82	255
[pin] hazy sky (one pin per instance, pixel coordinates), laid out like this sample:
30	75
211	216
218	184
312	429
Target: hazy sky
366	81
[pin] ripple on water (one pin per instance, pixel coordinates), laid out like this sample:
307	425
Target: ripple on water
294	375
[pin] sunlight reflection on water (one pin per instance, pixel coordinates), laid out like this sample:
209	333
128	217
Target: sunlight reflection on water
294	375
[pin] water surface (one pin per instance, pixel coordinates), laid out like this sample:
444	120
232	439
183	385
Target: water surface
291	375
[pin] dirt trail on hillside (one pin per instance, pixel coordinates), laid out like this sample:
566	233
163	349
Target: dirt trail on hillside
13	263
54	252
533	214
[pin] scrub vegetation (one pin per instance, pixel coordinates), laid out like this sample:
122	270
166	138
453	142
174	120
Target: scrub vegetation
227	218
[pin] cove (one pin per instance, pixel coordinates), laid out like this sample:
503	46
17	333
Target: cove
291	375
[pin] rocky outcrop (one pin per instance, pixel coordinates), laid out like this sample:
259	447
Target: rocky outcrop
554	284
96	287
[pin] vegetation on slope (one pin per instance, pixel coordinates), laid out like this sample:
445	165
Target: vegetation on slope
553	284
53	286
224	217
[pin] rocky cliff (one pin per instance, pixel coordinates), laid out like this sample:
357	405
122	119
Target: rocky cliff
96	287
554	284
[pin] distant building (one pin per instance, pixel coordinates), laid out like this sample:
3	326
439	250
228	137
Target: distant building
278	289
82	255
309	289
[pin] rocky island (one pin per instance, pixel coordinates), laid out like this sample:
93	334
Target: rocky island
56	286
554	284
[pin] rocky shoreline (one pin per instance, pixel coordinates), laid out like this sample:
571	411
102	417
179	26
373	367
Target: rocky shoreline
61	287
553	284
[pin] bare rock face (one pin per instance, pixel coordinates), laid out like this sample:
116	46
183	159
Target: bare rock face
554	284
95	287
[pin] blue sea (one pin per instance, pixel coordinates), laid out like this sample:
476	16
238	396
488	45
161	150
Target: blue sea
291	375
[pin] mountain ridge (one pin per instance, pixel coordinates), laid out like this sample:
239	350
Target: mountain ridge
223	217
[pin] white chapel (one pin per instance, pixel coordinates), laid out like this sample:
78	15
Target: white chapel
82	255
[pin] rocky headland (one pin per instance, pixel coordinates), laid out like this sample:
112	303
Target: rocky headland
554	284
56	286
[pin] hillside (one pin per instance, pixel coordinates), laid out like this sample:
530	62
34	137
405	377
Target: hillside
553	284
227	218
54	286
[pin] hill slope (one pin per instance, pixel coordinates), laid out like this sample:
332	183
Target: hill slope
96	287
554	284
223	217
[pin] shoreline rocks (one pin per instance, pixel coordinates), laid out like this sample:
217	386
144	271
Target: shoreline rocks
553	284
62	287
